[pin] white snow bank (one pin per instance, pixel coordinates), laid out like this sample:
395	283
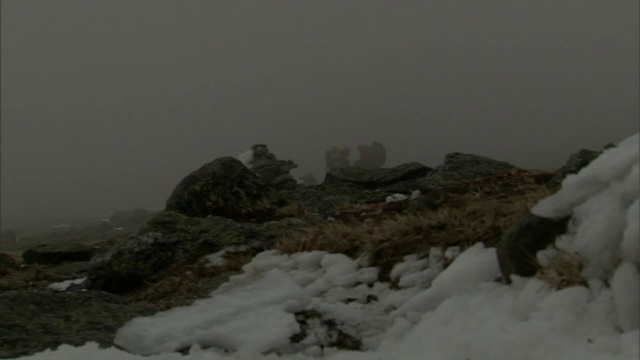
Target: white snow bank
603	199
613	165
254	312
477	264
252	319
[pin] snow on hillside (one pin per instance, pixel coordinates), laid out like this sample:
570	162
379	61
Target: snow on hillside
457	313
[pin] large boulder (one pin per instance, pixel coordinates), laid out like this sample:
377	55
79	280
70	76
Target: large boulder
458	167
57	253
168	239
35	320
376	178
223	187
518	246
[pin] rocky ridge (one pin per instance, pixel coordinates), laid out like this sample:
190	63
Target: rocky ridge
223	208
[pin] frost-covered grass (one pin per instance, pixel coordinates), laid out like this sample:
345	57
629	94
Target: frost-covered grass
431	310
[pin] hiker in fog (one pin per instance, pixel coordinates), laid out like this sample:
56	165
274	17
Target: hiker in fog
371	156
337	157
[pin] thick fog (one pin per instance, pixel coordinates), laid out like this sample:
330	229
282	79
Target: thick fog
107	105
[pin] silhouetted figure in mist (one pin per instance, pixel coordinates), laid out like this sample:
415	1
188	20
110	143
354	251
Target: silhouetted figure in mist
337	157
371	156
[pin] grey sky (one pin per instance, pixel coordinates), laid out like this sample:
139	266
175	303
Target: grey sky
106	105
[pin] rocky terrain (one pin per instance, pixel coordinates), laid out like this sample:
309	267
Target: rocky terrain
82	286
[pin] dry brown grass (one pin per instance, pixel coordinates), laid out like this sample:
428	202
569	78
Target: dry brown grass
477	211
563	270
387	241
290	211
179	286
28	277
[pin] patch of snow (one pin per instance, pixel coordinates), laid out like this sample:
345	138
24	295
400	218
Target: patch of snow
64	285
246	158
396	198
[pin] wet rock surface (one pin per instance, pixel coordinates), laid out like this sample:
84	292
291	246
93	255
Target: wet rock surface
223	187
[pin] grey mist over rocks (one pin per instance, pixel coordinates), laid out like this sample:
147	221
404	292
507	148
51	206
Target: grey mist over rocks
107	105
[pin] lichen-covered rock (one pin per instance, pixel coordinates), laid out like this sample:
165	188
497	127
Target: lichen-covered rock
375	178
575	163
35	320
518	246
459	167
223	187
57	253
170	238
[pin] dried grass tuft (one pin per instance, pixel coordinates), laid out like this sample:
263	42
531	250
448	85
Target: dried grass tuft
563	270
179	286
384	233
290	210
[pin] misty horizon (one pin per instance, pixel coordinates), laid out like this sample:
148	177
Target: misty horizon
106	106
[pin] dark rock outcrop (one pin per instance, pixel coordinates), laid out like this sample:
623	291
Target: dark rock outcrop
271	170
357	185
575	163
375	178
223	187
57	253
170	238
459	167
518	246
35	320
